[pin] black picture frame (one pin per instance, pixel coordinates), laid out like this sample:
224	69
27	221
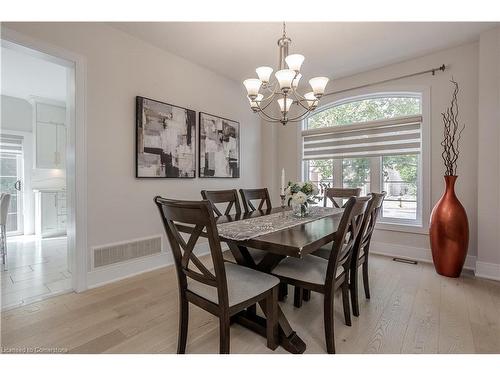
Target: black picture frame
202	167
164	158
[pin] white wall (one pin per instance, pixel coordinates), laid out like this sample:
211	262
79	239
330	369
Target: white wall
488	207
462	63
119	67
16	114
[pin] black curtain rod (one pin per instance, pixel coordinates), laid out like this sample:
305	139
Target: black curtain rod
442	68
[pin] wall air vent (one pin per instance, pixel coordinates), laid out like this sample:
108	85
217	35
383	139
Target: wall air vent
121	252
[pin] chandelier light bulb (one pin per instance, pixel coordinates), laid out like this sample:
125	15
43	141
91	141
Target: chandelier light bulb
294	61
254	104
295	82
312	101
318	85
285	78
264	73
285	107
252	85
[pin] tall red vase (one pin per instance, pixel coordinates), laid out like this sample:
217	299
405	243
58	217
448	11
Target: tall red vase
449	232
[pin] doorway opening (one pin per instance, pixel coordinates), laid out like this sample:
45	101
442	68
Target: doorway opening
37	100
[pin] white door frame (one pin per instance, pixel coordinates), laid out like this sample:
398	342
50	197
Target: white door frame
28	226
76	167
19	194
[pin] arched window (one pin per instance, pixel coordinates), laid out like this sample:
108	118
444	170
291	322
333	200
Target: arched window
373	142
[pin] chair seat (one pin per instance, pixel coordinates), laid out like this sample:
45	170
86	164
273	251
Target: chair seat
243	283
311	269
323	252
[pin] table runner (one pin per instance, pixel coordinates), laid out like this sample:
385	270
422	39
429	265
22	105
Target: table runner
243	230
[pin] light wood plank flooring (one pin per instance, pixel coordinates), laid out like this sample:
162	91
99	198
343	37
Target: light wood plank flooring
412	310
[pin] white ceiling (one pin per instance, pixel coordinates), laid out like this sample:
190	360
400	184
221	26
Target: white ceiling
333	49
24	75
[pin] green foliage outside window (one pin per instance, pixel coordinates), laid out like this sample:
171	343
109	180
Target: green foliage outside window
356	172
406	166
365	110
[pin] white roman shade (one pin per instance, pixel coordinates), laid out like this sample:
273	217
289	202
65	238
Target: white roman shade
11	144
396	136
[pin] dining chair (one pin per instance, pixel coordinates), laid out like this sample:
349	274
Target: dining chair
4	210
223	290
262	196
223	196
333	194
249	195
326	276
362	248
231	198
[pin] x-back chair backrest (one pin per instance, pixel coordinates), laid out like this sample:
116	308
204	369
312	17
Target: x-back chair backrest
369	221
346	235
199	216
248	195
339	193
223	196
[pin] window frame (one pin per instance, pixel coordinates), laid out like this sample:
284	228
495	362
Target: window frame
420	225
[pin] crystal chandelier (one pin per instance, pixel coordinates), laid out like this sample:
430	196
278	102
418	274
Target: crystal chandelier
284	89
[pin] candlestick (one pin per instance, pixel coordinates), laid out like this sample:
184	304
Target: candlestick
283	181
282	196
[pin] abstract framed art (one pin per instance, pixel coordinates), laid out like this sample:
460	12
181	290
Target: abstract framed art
165	140
219	151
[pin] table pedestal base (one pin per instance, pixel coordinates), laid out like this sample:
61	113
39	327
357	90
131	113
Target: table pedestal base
291	343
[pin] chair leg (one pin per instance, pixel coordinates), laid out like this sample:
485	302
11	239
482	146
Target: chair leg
297	297
365	279
272	327
329	329
183	325
283	291
353	286
345	302
224	334
306	294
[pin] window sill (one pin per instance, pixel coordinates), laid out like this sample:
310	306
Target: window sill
406	228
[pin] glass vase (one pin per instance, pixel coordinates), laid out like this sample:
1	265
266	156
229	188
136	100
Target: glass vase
300	209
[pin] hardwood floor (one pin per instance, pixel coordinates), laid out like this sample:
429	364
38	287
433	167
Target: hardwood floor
412	310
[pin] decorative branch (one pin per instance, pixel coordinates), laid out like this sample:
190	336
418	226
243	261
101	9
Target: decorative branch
452	133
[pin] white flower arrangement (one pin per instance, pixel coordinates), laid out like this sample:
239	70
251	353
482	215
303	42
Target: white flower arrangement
301	192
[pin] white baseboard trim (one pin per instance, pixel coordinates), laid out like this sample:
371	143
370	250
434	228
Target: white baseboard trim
488	270
410	252
120	271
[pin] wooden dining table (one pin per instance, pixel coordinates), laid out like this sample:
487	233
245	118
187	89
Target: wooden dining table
296	241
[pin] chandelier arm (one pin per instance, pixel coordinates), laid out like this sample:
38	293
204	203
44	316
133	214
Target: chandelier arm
267	118
262	113
261	109
297	94
271	87
299	100
300	117
271	96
